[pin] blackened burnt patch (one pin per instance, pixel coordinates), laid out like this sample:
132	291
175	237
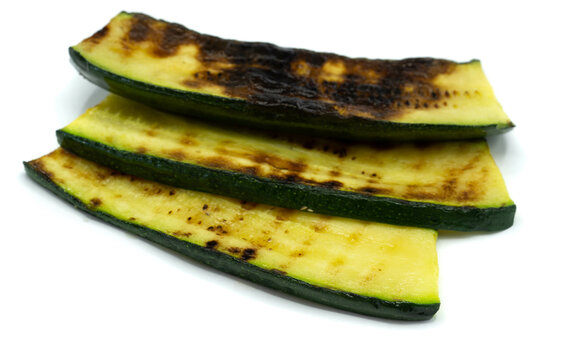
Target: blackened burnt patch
211	244
141	28
269	75
263	74
173	36
248	254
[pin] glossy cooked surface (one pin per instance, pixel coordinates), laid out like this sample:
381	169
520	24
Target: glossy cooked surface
387	262
461	173
420	90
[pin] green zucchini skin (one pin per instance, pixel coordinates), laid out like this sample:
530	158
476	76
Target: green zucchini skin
290	194
370	306
274	117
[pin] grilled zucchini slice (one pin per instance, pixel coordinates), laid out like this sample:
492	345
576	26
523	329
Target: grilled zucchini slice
368	268
172	68
444	185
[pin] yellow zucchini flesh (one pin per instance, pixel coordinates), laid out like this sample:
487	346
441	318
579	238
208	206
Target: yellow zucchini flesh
445	185
368	268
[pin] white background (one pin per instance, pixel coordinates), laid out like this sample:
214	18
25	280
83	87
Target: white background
74	288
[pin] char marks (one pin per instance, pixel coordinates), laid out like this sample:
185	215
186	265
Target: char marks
99	35
317	83
140	29
95	202
211	244
40	168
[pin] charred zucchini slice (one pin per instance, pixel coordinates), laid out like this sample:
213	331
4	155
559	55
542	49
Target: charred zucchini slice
172	68
368	268
445	185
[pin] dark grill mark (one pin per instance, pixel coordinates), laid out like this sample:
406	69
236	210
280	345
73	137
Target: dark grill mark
449	190
172	37
211	244
219	230
95	202
38	166
234	250
248	254
449	187
181	234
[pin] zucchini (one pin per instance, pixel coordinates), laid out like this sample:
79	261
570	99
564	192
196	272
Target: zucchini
265	86
367	268
443	185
